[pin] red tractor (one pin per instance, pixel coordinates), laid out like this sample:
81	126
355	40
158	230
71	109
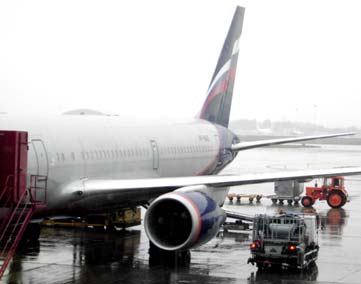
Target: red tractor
332	190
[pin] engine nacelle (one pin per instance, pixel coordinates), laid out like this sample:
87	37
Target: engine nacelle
183	219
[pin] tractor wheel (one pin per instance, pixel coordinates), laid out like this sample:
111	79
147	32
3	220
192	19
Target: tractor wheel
344	199
307	201
336	199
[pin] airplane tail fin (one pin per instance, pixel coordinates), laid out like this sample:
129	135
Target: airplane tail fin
217	106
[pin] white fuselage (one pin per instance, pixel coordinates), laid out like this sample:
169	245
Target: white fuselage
69	148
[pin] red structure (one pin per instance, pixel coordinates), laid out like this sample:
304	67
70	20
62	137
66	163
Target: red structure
17	201
13	164
332	190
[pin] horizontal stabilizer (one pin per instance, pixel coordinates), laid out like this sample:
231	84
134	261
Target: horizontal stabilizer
262	143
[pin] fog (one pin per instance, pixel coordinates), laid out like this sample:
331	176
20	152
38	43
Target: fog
299	60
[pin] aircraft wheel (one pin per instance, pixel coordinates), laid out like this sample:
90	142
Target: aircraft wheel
289	201
307	201
159	256
99	229
260	266
31	233
111	228
336	199
274	200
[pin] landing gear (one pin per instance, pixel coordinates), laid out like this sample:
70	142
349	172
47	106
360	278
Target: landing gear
159	256
31	234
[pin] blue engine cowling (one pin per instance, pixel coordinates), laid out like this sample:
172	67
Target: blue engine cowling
182	220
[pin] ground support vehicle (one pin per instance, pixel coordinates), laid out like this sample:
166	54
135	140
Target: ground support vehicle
287	191
284	241
332	190
121	219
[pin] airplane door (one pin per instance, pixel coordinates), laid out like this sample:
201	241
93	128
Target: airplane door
155	153
41	157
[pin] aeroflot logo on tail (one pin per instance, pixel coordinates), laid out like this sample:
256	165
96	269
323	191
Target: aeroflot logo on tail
226	67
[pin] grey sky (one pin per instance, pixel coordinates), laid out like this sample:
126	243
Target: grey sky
299	60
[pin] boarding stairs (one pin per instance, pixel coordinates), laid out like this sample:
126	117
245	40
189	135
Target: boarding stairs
21	193
17	216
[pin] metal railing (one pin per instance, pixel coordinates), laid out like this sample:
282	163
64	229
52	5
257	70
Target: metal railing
18	215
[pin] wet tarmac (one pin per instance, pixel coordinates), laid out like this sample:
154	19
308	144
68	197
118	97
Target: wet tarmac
81	256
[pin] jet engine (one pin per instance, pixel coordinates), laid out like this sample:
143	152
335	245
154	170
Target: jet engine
183	219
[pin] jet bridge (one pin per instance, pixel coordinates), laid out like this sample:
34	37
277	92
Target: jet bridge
18	193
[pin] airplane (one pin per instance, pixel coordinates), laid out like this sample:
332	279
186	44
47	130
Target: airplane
99	163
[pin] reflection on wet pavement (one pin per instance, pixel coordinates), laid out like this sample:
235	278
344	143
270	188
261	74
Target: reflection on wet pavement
66	255
284	276
72	256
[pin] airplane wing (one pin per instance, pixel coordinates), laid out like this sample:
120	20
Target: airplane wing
150	188
261	143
